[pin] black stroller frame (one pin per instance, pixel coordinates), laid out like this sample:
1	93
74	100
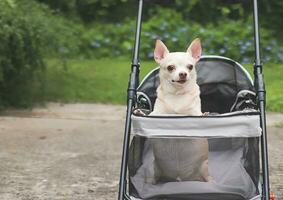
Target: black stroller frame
132	89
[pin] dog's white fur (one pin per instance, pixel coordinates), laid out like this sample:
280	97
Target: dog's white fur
179	94
174	97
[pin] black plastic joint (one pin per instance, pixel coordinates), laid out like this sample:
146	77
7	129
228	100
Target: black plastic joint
259	83
256	68
135	63
132	86
260	87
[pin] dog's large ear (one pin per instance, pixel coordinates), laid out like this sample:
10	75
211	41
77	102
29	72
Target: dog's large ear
160	51
195	49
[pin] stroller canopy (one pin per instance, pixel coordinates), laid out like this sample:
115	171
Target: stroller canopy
220	80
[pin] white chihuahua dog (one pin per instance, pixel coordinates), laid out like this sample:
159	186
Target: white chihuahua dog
178	93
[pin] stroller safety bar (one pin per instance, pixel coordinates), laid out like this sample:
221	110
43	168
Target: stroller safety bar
240	124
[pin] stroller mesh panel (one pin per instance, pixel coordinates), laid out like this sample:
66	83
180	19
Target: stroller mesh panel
170	167
234	173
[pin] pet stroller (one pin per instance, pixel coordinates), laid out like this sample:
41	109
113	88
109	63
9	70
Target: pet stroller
236	135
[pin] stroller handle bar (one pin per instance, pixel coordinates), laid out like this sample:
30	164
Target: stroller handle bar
134	82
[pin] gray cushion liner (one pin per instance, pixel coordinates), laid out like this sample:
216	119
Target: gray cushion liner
239	124
226	168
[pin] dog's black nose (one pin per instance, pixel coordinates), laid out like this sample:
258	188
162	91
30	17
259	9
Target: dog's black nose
183	75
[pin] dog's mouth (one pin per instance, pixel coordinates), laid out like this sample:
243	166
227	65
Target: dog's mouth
181	81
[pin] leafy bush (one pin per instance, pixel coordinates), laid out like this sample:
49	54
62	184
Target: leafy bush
31	32
22	39
64	6
224	27
106	10
229	38
200	11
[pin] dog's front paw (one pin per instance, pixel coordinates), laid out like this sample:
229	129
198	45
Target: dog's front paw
209	179
205	114
139	112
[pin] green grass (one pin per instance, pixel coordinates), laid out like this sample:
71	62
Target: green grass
273	75
90	80
106	81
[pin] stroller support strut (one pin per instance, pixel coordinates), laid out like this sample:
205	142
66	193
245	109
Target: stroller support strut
133	83
260	89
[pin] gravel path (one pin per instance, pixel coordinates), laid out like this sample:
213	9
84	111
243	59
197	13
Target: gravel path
73	152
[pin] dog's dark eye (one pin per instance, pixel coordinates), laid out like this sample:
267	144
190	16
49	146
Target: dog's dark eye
170	68
190	67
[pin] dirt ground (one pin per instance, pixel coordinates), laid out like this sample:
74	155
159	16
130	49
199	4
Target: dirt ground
73	152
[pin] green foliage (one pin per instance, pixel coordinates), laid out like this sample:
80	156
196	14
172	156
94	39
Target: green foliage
273	74
63	37
21	65
29	33
215	11
200	11
65	6
106	10
271	15
225	28
107	40
229	38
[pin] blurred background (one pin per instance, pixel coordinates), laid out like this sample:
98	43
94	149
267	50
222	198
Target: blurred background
80	50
